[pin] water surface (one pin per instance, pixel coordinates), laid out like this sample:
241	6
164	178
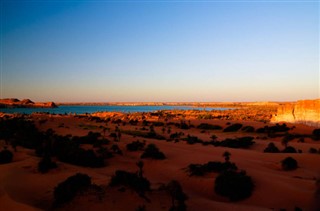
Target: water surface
80	109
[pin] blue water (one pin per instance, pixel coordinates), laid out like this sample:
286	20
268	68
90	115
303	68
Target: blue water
91	109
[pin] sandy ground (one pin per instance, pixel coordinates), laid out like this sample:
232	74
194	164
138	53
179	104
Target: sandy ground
22	187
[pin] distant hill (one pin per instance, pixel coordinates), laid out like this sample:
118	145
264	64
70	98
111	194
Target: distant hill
26	103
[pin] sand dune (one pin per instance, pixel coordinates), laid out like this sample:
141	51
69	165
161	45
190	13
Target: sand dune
24	188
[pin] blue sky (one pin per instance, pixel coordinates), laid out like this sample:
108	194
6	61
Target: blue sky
67	51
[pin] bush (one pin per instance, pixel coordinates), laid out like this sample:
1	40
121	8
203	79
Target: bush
242	142
20	131
289	163
289	149
177	195
248	129
273	129
316	134
46	164
233	128
152	151
158	124
271	148
313	150
135	146
176	135
192	139
6	156
234	185
67	190
206	126
131	180
212	166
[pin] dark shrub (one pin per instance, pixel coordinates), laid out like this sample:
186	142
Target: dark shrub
183	125
316	134
289	149
242	142
248	129
133	122
20	131
67	190
6	156
104	152
313	150
233	128
273	129
177	195
150	134
136	146
234	185
176	135
131	180
212	166
46	164
289	163
116	149
192	139
91	138
271	148
152	151
158	124
206	126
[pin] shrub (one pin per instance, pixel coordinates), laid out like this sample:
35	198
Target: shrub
206	126
316	134
289	149
150	134
6	156
158	124
116	149
192	139
273	129
67	190
271	148
104	152
183	125
242	142
177	195
152	151
234	185
46	164
131	180
212	166
289	163
233	128
176	135
248	129
136	145
313	150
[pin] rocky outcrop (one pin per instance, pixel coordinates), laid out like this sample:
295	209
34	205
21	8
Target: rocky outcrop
303	111
26	103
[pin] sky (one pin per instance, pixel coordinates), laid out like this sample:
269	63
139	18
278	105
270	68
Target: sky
159	51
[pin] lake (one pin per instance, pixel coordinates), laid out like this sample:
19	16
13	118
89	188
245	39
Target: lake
79	109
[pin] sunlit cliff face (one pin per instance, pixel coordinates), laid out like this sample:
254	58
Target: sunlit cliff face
303	111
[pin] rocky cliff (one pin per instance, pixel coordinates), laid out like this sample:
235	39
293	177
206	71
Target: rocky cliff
303	111
26	103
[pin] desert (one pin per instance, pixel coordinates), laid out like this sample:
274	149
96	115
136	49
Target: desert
118	140
159	105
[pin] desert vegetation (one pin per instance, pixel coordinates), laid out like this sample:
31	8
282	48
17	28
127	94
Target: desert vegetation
111	149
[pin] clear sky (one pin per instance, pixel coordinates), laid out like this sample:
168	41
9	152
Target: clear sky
103	51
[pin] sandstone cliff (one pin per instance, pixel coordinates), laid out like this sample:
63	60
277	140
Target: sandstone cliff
26	103
303	111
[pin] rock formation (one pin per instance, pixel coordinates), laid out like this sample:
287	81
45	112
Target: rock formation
26	103
303	111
